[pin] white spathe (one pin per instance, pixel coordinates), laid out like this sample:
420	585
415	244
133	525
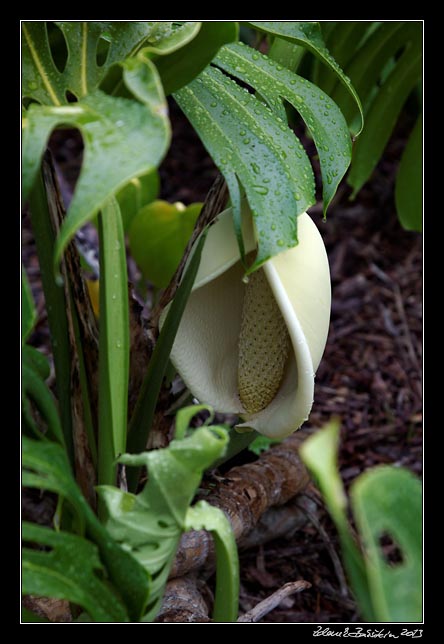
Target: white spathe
205	352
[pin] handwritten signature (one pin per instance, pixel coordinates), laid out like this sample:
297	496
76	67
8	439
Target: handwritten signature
380	633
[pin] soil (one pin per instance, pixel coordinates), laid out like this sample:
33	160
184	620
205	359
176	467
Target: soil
369	377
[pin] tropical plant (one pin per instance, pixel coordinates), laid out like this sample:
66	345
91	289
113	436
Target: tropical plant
110	554
384	62
387	506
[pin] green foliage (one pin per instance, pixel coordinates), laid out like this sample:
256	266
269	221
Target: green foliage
309	36
68	571
385	501
151	523
113	342
158	236
29	314
384	63
252	145
179	68
143	415
139	192
46	468
408	190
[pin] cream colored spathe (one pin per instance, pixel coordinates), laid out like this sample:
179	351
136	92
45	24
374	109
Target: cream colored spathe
206	349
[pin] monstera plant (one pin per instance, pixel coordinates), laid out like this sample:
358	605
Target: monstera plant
243	316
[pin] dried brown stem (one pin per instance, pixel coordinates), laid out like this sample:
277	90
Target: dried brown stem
267	605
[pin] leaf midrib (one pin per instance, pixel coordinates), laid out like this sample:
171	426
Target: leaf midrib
38	63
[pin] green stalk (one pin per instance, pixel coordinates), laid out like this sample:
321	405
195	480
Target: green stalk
55	306
286	53
113	343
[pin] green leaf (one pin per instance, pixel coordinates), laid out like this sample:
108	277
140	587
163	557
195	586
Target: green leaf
383	113
138	193
136	134
251	147
262	444
82	74
387	501
322	117
408	190
308	34
143	415
342	42
68	571
369	59
179	68
29	315
203	516
46	467
35	389
113	342
151	523
36	360
178	36
43	210
158	236
319	453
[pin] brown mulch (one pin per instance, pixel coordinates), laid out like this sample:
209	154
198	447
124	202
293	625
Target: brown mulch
370	375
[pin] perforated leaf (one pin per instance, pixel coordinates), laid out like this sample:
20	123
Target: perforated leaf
251	148
387	502
44	82
321	115
68	570
309	35
254	147
46	467
150	524
123	139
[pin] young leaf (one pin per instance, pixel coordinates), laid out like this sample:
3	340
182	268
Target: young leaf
138	193
179	68
383	113
113	342
387	501
319	453
203	516
151	523
46	467
249	145
308	34
29	314
158	236
322	117
68	571
408	190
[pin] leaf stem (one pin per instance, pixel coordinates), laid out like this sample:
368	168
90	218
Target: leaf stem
56	307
